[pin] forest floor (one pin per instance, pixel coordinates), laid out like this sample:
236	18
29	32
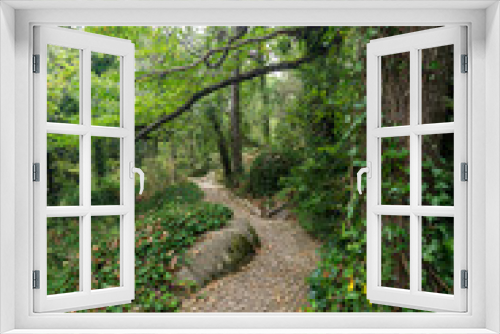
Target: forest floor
275	280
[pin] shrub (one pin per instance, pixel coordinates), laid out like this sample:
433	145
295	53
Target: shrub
180	193
319	199
267	169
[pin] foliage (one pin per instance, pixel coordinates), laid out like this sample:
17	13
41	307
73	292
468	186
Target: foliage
323	185
267	169
307	127
166	226
339	282
179	193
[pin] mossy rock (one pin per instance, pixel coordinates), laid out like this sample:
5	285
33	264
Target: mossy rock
220	252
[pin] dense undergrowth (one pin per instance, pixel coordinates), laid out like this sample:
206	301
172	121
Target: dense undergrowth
167	224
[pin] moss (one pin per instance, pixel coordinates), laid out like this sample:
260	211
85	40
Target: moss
255	237
239	249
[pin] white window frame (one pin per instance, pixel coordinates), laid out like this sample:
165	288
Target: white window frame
414	43
483	21
85	43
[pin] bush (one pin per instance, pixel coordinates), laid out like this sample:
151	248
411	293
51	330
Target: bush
319	199
267	169
180	193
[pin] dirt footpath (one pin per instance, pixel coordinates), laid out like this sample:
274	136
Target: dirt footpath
274	281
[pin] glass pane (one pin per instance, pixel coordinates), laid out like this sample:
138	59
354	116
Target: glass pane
63	170
395	89
395	171
63	255
105	171
437	254
63	84
437	169
105	252
395	252
105	72
437	84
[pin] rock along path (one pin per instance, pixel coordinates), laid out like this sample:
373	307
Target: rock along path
274	281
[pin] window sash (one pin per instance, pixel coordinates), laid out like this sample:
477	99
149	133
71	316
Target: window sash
413	43
86	297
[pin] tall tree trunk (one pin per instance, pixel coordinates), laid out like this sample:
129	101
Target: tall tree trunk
235	114
221	143
266	128
173	157
192	149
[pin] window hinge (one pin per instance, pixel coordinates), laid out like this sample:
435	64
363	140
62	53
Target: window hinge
36	63
465	279
36	172
464	172
36	279
465	63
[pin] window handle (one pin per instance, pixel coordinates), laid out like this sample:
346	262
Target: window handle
368	171
133	170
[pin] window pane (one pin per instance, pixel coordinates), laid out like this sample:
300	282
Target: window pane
105	252
395	252
437	84
396	171
63	84
395	89
63	170
105	72
63	255
105	171
437	169
437	254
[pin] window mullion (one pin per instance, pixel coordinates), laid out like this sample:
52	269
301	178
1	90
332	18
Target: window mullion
86	119
414	168
85	259
86	167
81	227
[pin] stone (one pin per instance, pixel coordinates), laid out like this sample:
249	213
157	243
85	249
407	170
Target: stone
220	252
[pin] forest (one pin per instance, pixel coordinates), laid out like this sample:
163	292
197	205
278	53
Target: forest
275	116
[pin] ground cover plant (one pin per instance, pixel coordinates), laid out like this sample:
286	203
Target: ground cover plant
277	113
165	228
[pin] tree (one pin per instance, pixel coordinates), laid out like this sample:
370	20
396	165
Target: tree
315	47
236	148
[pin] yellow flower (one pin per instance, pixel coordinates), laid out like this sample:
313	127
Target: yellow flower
351	284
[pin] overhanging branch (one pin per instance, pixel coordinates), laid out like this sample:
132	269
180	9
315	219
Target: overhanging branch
210	53
285	65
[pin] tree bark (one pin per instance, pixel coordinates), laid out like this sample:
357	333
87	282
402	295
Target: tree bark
221	144
266	128
192	149
236	126
173	157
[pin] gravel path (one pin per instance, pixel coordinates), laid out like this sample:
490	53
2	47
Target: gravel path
274	281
